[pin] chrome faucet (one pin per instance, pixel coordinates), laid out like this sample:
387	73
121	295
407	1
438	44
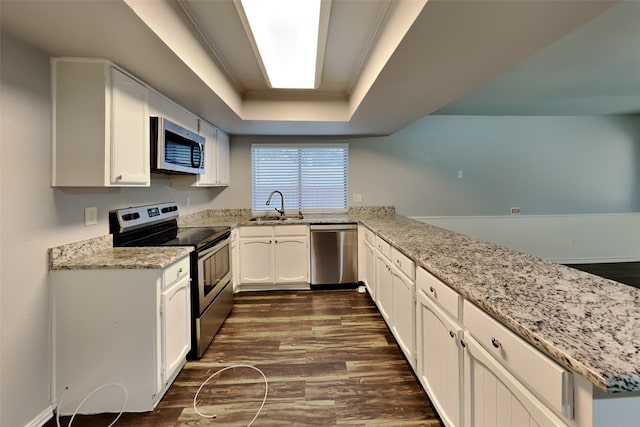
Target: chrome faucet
281	210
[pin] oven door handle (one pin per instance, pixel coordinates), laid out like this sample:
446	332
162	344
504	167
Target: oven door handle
214	248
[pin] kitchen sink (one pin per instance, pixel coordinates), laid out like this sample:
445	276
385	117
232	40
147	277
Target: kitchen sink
278	218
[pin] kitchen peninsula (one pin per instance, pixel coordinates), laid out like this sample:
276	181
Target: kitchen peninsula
587	325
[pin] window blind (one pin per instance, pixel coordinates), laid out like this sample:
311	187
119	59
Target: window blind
312	178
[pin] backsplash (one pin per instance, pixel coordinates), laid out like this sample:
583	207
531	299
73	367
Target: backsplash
372	210
190	218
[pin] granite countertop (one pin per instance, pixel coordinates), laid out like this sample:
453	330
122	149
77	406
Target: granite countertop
587	324
98	253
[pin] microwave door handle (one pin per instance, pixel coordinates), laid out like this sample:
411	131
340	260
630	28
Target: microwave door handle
193	163
200	150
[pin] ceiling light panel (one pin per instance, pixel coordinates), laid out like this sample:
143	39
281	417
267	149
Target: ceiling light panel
286	35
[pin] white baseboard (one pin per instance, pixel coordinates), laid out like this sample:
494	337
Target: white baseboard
42	418
565	239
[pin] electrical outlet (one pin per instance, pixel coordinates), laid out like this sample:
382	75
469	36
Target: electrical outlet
357	197
459	174
90	215
514	211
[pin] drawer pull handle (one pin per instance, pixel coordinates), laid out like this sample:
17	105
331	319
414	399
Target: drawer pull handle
463	343
452	334
495	342
431	289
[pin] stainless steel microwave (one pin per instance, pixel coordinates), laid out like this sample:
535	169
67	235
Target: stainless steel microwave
175	149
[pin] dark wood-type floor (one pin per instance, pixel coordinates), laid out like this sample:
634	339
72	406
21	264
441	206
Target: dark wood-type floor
623	272
328	356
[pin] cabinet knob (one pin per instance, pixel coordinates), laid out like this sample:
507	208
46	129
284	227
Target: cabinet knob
495	342
452	334
119	178
432	290
463	343
180	271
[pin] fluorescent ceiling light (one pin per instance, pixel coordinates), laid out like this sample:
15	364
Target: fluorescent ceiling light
285	33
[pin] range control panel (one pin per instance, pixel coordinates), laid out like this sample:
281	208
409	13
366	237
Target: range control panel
141	216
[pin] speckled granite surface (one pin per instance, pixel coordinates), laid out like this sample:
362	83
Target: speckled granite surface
93	254
586	323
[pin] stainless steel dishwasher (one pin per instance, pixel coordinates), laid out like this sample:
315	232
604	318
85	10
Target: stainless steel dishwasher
334	255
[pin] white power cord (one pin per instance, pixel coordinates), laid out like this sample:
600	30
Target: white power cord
266	388
75	412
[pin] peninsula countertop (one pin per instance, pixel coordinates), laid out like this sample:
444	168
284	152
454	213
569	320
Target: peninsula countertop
587	324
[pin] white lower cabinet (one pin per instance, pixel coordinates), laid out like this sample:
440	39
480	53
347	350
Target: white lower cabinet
403	313
370	269
271	255
494	397
440	358
175	325
384	290
234	246
123	326
367	259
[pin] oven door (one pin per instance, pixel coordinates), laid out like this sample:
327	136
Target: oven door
214	272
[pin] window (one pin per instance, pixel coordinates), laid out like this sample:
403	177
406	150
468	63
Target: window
312	178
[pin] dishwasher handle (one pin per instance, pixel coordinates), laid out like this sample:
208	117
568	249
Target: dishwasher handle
332	227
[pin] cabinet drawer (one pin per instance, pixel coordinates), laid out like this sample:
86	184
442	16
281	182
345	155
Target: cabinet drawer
403	263
369	236
175	271
257	231
442	294
552	383
383	247
291	230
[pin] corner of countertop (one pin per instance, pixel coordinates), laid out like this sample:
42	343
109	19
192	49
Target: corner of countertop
62	254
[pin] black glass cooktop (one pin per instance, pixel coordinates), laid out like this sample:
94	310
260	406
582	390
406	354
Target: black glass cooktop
196	236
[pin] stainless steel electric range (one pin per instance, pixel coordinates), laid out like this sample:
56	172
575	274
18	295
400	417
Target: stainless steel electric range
211	289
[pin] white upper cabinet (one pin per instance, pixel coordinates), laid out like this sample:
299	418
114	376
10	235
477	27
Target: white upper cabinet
100	132
216	157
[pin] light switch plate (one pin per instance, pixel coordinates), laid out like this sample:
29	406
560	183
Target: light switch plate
90	215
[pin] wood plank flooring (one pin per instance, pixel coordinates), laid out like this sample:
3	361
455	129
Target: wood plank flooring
329	358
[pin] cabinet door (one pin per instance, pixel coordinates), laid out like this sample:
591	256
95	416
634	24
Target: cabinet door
223	158
256	261
439	359
291	256
210	175
235	258
403	313
384	292
175	314
370	269
494	397
129	131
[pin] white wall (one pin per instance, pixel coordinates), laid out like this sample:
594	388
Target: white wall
544	165
565	239
34	217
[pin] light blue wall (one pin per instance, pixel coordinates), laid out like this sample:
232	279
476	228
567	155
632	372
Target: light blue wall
544	165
